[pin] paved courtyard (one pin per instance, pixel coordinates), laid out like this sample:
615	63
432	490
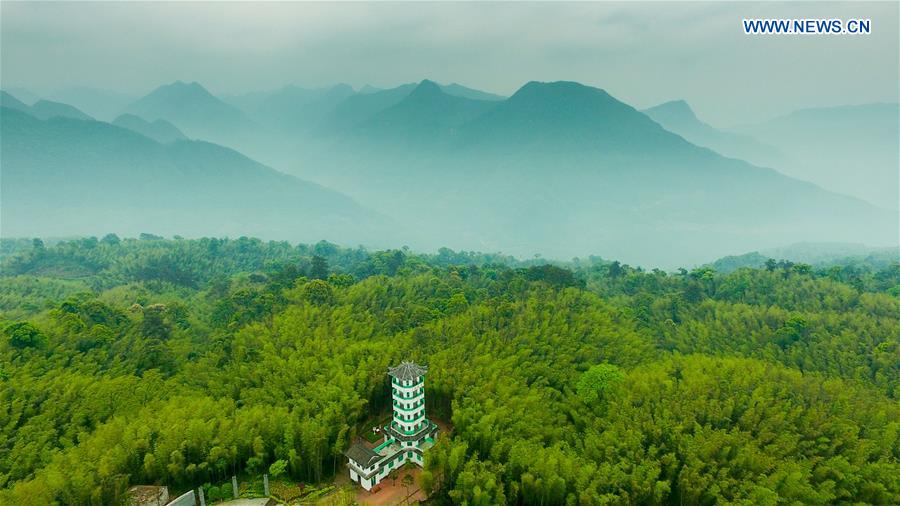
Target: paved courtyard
389	494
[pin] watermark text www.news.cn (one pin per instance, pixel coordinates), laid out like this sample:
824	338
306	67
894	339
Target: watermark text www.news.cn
807	26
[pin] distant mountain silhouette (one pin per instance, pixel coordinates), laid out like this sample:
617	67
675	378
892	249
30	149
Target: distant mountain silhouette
427	113
850	149
42	109
196	111
565	115
361	107
678	117
9	101
160	130
293	110
558	168
24	94
64	177
565	169
99	103
46	109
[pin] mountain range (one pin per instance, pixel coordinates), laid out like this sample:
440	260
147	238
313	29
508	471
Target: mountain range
196	112
426	113
43	109
565	169
98	103
64	177
678	117
299	109
160	130
558	168
848	149
852	149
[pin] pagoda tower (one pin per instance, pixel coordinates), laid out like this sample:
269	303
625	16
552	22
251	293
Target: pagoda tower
408	395
406	437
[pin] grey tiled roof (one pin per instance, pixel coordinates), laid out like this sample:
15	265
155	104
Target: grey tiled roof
407	371
362	454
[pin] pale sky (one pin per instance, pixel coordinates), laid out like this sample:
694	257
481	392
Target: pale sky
642	53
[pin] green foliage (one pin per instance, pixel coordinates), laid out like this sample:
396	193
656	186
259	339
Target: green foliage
595	384
318	291
741	430
278	468
426	481
23	296
214	494
552	275
318	268
478	484
24	335
592	383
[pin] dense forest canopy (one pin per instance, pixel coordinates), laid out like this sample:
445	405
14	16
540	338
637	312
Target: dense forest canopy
136	361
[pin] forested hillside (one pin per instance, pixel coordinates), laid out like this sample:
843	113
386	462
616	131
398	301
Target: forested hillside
126	361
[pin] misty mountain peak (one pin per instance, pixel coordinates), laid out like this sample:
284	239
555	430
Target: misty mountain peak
567	104
427	88
430	94
42	109
673	109
427	114
678	105
566	99
197	112
559	89
565	116
183	89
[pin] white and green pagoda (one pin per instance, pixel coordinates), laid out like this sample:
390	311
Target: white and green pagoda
407	435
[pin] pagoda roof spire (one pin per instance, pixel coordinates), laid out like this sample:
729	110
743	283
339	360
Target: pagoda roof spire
407	371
